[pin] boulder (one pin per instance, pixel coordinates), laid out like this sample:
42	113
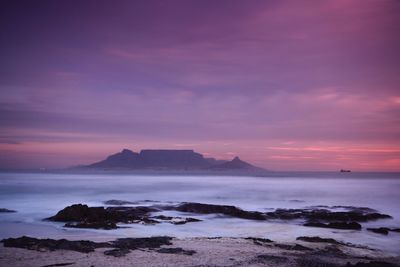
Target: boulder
6	210
221	209
145	242
317	239
335	225
51	244
176	251
380	230
82	216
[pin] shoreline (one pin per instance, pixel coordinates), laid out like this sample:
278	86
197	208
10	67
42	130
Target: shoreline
207	252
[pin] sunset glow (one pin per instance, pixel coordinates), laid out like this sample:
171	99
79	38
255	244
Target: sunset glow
283	84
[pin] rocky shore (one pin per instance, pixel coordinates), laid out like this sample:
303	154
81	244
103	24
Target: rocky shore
311	251
168	251
107	218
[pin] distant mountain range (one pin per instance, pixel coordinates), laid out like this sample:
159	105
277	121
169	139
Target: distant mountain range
164	159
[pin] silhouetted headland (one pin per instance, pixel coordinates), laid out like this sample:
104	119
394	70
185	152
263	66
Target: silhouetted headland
167	160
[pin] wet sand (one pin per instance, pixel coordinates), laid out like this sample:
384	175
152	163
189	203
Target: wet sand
209	252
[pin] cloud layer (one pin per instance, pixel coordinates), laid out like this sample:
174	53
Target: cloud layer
287	85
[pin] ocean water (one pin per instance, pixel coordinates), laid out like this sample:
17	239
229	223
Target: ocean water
36	196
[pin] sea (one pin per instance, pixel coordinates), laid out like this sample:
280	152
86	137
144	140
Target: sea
36	196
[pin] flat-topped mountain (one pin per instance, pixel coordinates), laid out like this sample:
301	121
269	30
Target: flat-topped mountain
165	159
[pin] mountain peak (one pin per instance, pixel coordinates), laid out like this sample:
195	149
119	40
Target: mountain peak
126	151
237	164
236	159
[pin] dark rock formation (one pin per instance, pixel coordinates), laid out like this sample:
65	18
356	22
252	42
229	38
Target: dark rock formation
117	252
259	241
121	246
317	239
384	230
331	250
176	251
59	264
51	244
335	225
381	230
176	220
6	210
346	208
316	217
145	242
106	225
79	212
222	209
116	202
372	264
312	214
82	216
295	247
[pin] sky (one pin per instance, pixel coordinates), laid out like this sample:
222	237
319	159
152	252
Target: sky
286	85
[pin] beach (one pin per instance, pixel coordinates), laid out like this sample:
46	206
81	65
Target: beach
208	252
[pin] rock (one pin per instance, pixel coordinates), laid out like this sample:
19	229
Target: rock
222	209
176	220
145	242
125	213
117	252
79	212
259	241
317	239
93	225
354	215
330	251
121	246
6	210
59	264
336	225
51	244
117	202
384	230
348	219
348	208
82	216
179	221
372	264
296	247
163	217
176	251
381	230
345	225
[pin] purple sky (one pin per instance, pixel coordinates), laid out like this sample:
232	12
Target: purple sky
286	85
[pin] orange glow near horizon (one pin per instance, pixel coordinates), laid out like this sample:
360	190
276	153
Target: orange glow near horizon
287	157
